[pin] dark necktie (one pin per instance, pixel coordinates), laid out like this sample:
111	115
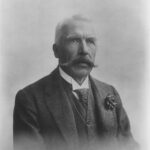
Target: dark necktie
83	99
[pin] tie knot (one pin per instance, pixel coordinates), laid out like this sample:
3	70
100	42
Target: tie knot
82	93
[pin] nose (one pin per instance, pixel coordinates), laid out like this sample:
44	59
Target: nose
83	47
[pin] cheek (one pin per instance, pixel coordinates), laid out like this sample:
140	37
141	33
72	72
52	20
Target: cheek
93	52
71	49
68	53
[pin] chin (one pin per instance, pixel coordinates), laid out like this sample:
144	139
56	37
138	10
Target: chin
80	73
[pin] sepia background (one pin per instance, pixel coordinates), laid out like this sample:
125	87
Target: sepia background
28	34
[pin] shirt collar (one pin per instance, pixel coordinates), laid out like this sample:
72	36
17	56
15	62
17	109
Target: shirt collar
70	80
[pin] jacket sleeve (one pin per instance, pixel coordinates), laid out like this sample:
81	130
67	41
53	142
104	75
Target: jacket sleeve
124	131
26	131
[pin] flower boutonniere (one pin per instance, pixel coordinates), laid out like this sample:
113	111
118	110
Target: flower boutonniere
110	102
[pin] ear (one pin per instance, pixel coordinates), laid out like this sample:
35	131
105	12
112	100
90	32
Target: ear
56	50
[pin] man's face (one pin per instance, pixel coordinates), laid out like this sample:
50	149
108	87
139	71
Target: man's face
77	48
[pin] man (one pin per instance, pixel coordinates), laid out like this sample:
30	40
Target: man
69	109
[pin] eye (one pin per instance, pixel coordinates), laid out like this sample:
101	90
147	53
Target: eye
74	40
90	41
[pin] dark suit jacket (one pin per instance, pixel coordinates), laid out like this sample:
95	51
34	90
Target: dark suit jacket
43	116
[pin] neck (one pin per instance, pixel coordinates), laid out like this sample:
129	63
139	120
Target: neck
79	80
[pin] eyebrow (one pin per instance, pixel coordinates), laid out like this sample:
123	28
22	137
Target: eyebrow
78	36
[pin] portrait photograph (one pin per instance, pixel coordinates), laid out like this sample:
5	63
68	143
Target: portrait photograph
74	75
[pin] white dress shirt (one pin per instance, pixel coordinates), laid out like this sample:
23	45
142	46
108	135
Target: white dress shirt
74	84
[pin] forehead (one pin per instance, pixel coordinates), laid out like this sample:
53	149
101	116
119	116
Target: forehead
78	28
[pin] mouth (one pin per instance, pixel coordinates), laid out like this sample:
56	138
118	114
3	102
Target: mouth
83	62
80	62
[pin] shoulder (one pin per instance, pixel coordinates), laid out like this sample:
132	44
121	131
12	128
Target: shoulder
101	85
39	86
105	89
34	93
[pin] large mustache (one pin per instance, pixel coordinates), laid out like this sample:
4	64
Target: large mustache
79	60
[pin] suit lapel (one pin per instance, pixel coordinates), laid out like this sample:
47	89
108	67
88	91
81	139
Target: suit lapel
106	119
59	105
99	102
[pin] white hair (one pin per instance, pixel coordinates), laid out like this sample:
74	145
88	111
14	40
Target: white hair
63	24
